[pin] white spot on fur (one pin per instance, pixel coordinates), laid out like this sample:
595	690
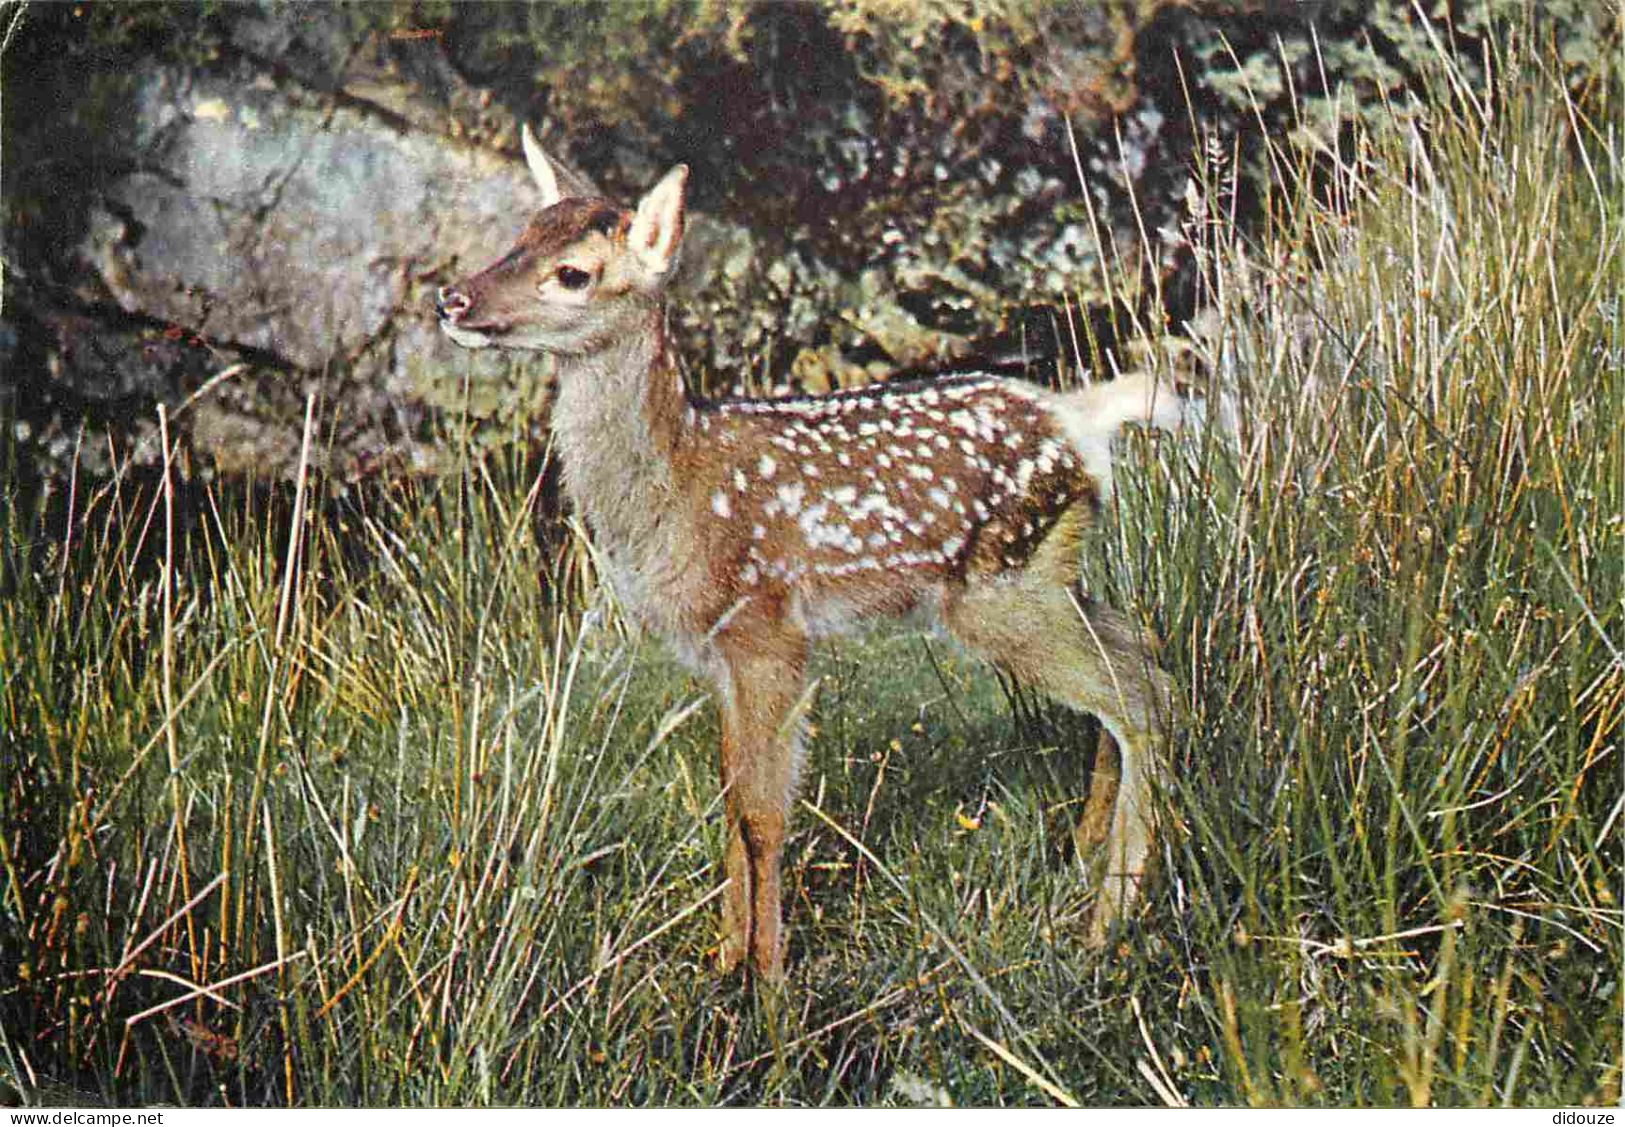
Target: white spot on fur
720	506
872	503
820	533
790	497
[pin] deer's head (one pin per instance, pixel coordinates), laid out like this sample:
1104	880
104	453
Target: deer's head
580	273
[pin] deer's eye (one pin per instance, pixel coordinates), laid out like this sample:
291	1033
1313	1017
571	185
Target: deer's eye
571	278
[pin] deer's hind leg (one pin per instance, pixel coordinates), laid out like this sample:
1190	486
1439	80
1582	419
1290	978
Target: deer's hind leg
1093	659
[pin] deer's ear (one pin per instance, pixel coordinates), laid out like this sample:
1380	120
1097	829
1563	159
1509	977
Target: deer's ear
541	169
657	229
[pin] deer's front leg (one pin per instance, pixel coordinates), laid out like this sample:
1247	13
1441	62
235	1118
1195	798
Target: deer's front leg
761	696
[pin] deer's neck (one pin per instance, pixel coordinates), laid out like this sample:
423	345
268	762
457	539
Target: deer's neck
618	417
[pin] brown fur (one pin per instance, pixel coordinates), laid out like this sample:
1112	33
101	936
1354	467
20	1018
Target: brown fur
742	530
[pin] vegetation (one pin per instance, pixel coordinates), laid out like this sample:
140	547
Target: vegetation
344	800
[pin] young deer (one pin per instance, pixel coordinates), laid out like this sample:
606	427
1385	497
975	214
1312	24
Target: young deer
742	529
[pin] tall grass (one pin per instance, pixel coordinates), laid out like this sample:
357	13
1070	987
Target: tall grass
1399	616
328	800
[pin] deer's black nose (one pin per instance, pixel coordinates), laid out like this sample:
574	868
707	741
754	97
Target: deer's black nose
450	303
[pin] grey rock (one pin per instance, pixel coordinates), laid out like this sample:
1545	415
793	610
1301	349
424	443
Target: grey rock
307	231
